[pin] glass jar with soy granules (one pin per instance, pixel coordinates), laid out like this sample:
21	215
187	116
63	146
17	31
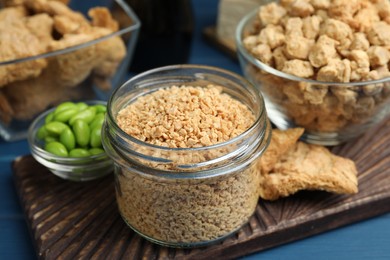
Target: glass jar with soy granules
185	140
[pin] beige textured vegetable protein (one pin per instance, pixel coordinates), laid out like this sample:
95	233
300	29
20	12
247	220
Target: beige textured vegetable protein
191	210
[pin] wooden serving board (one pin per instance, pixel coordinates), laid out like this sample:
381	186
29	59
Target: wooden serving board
80	220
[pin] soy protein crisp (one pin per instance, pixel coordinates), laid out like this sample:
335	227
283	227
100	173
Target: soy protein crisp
193	210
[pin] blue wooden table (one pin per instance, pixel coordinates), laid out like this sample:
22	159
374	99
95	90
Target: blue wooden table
369	239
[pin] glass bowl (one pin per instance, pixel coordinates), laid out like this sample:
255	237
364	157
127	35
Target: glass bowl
331	113
72	66
75	169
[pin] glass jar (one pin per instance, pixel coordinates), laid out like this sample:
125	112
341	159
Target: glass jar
186	197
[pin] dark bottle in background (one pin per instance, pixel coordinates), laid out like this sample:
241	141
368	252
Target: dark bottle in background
166	33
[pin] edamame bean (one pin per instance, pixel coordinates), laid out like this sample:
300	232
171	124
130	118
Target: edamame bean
81	132
73	129
64	106
49	118
65	115
55	128
100	108
79	152
68	139
49	139
97	121
42	132
56	148
96	137
86	115
81	106
96	151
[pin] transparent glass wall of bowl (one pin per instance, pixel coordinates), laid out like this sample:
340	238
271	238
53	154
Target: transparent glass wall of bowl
186	197
331	113
44	91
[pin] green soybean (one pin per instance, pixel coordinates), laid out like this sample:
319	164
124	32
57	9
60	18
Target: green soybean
81	106
96	151
65	115
68	139
64	106
100	108
55	128
49	118
97	121
73	129
79	152
56	148
86	115
96	137
42	132
49	139
81	131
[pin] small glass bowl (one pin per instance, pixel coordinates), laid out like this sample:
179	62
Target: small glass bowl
331	113
75	169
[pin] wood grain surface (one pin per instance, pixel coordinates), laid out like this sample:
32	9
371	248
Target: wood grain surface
80	220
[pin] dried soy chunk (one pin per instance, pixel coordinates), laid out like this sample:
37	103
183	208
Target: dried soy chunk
372	89
315	94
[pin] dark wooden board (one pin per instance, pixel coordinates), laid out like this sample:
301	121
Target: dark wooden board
80	220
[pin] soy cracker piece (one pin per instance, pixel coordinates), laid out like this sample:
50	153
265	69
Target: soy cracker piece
304	167
280	143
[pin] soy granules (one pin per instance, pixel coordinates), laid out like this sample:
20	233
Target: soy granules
185	117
